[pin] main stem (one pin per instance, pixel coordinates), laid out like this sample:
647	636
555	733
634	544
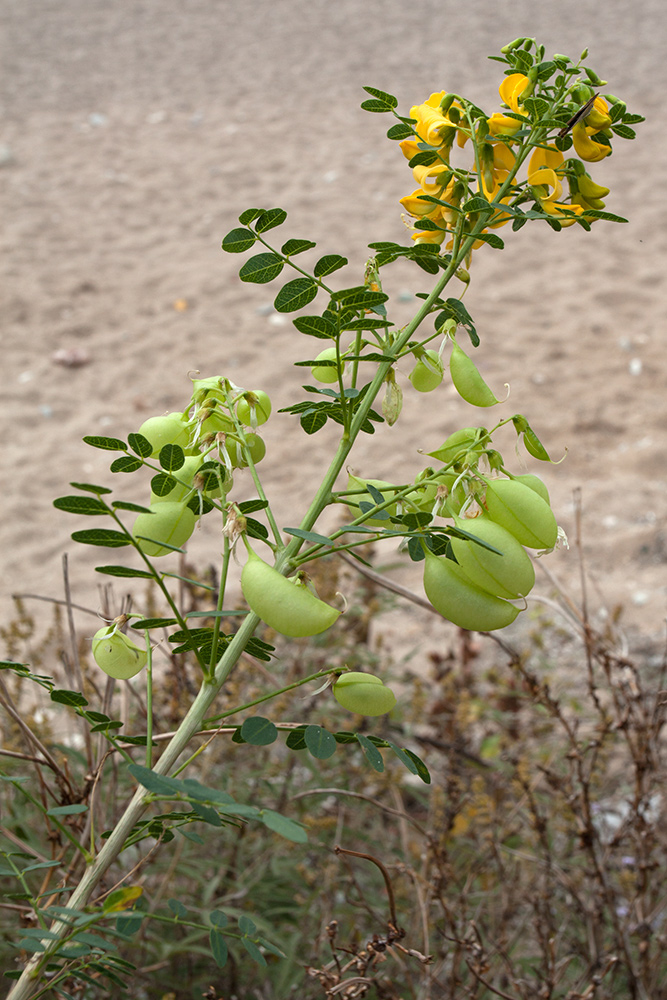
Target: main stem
211	686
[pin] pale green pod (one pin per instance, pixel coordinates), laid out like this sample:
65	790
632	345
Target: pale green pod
256	447
288	607
425	495
170	523
522	511
535	483
117	655
216	423
456	597
167	429
467	380
363	693
254	408
510	574
325	373
354	483
460	443
186	473
427	376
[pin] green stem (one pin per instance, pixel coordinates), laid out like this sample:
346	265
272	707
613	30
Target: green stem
149	702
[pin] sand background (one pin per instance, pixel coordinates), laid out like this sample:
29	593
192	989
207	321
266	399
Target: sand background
132	136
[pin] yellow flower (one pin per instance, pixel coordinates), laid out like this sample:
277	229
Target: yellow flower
589	194
432	179
431	125
586	146
500	124
598	118
584	132
546	186
409	148
435	236
511	89
413	204
547	156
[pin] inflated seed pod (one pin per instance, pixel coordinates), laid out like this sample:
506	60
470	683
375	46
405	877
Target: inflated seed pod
325	373
363	693
167	429
288	607
117	655
467	380
456	597
428	372
170	523
354	483
510	574
425	495
522	511
216	423
256	447
535	483
460	443
254	408
186	473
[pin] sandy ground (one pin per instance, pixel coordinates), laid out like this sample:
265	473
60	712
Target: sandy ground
134	133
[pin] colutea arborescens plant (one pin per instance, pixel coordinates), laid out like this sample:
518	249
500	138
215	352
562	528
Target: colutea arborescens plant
469	517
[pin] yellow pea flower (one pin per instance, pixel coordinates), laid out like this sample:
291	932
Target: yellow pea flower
598	118
431	125
584	132
548	189
547	156
499	124
586	146
511	89
432	179
409	148
557	208
589	194
415	206
435	236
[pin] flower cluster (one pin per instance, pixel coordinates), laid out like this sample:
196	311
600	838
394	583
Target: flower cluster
501	144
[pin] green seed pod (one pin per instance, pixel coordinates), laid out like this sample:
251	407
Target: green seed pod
254	408
363	693
167	524
210	385
461	443
522	511
467	381
428	372
186	473
456	598
325	373
167	429
216	423
426	494
117	655
509	575
288	607
534	446
381	521
256	446
535	483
